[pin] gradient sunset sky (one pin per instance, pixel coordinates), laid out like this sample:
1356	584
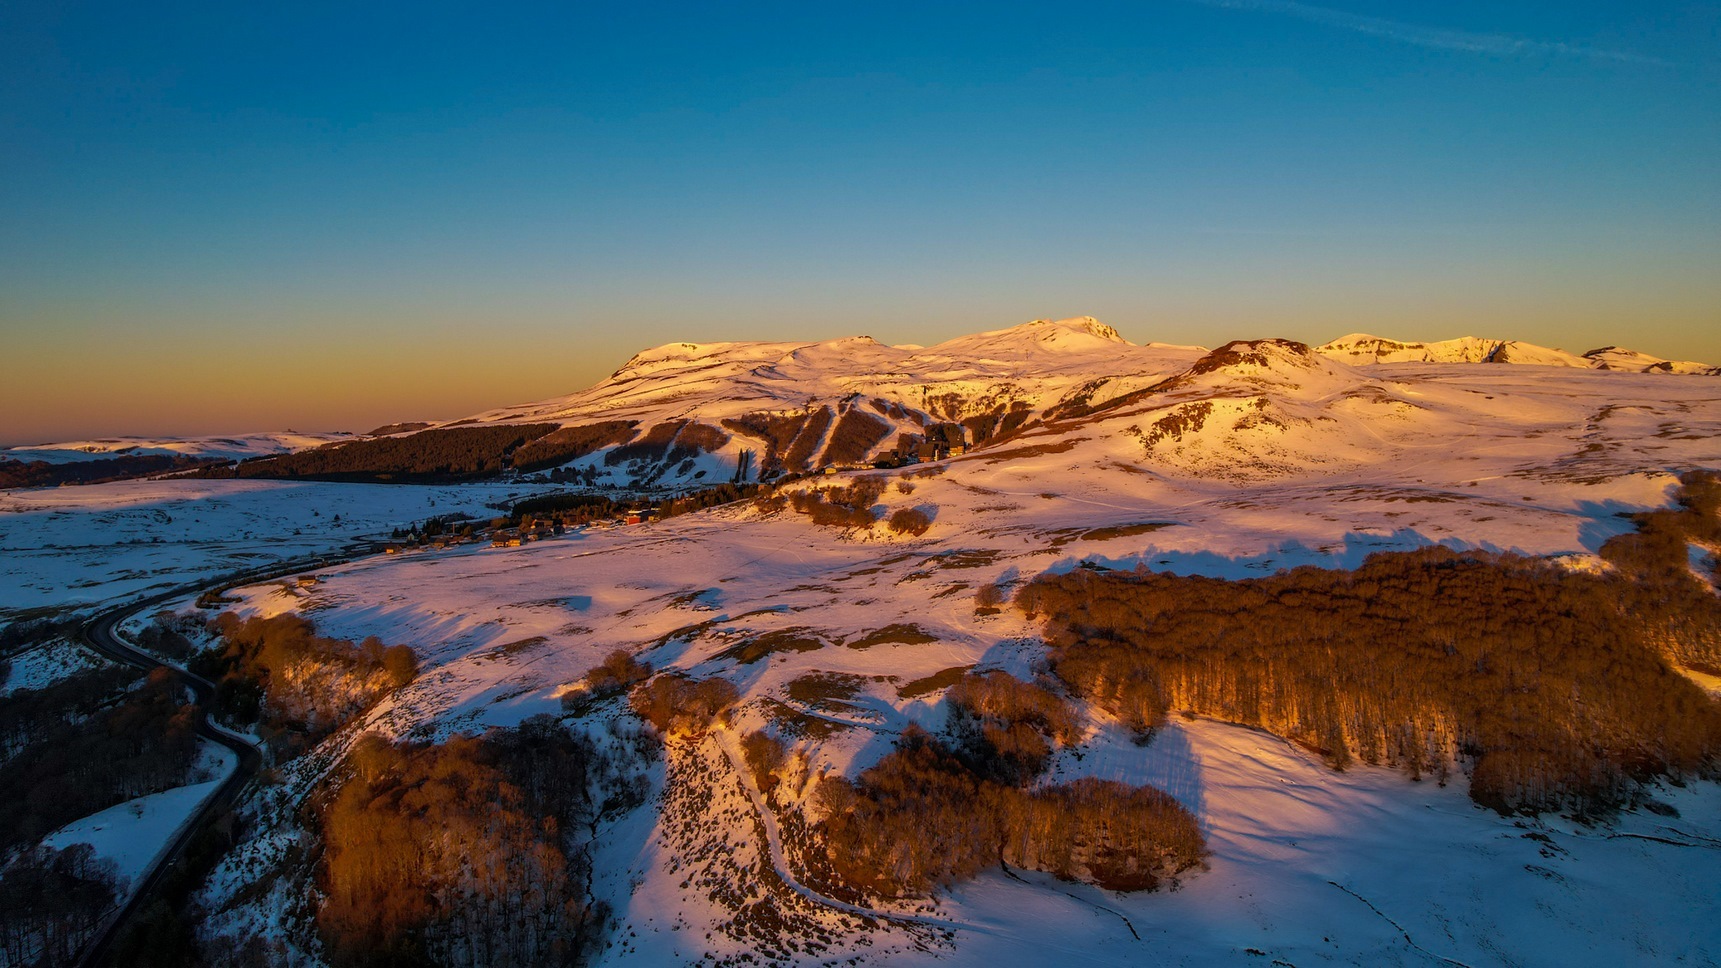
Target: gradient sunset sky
231	217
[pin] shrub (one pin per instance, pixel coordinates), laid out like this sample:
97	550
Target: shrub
280	669
617	673
674	703
840	507
910	521
765	755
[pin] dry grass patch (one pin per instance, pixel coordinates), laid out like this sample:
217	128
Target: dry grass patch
899	633
927	685
1127	530
797	639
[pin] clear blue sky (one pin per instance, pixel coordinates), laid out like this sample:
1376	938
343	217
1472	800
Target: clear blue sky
229	217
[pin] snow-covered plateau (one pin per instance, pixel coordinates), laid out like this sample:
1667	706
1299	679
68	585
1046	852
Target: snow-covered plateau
1081	449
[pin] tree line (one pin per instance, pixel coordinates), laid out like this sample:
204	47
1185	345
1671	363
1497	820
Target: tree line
300	685
443	454
468	853
924	818
53	902
572	443
87	742
1554	689
41	473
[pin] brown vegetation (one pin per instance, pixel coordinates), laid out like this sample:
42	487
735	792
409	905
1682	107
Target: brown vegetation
921	819
654	446
806	445
841	507
1125	530
674	703
778	431
619	671
572	443
279	671
765	755
1550	686
87	742
943	679
1004	728
448	453
1185	419
854	437
1680	613
896	633
794	639
912	521
462	853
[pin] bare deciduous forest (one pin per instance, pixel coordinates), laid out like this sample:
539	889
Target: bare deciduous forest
925	818
1554	689
446	453
86	743
299	684
54	901
572	443
471	852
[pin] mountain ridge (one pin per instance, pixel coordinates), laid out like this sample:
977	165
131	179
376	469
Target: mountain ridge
686	414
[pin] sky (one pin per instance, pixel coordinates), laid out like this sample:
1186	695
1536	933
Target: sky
234	217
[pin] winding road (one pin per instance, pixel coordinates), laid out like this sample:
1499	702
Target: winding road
101	634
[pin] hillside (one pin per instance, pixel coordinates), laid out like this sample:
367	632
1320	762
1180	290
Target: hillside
847	657
694	414
1361	348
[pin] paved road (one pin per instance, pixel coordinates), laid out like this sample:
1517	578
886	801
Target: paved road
99	634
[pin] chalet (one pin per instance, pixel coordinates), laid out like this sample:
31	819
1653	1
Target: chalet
942	440
309	581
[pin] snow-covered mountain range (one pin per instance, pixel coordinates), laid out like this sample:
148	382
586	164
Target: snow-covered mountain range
685	413
689	414
237	447
1359	348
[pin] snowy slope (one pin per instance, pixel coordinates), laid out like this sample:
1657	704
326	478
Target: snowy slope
733	390
1363	348
1360	348
224	448
721	399
1619	358
78	547
1255	457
